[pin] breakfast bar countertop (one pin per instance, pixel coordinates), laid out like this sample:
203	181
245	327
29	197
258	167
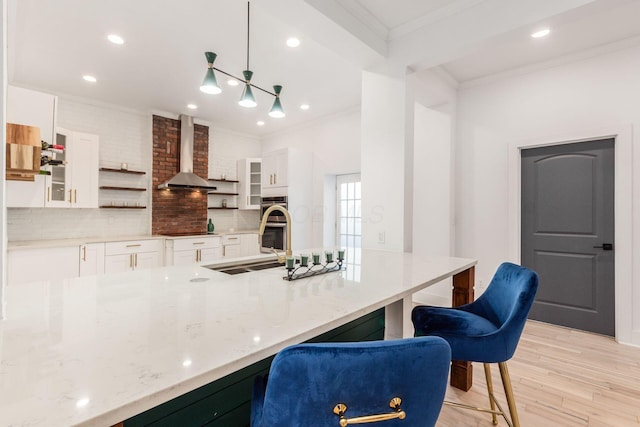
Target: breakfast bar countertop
98	350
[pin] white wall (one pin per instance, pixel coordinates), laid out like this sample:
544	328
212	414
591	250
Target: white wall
225	149
335	146
498	116
125	136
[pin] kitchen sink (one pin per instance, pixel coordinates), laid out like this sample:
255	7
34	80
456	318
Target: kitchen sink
246	267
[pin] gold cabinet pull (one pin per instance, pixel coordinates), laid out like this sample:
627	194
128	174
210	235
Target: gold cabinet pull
134	246
198	243
48	194
275	178
135	257
70	194
75	196
84	253
131	261
341	408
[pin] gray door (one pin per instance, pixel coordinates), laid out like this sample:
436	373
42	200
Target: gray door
567	233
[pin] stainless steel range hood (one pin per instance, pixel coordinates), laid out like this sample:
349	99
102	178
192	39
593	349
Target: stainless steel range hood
186	179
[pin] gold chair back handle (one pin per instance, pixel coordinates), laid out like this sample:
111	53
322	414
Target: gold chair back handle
341	408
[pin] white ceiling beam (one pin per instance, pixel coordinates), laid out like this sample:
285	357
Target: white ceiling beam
465	31
371	33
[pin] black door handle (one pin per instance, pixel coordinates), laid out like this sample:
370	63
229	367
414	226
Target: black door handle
605	247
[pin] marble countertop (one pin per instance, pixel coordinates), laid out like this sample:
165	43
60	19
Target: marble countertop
62	243
98	350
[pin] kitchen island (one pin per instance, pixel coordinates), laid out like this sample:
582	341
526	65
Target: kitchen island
99	350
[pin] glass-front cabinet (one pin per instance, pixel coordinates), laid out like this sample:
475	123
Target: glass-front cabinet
59	193
250	188
73	167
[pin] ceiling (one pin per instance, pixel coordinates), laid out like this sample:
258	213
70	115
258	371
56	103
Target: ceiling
161	65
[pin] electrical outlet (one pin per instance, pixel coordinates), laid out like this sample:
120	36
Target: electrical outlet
381	237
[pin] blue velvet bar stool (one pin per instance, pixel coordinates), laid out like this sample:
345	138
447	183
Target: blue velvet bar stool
401	382
486	330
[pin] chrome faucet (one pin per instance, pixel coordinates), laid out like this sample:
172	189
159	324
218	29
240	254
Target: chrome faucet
287	216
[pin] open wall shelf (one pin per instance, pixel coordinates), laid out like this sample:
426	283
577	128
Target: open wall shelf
123	207
122	171
122	188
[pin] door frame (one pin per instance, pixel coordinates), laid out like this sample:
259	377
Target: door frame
623	216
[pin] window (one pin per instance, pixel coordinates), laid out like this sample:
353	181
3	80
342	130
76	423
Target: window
349	216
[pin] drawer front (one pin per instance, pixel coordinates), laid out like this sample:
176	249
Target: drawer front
231	239
196	243
132	246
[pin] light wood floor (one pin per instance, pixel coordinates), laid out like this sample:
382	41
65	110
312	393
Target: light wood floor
560	377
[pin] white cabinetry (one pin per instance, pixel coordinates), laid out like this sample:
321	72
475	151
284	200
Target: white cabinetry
198	250
132	255
75	183
275	169
249	244
91	259
249	174
231	246
26	194
41	264
31	108
294	169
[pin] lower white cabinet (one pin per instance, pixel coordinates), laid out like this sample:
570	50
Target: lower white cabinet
240	245
41	264
91	259
132	255
231	246
193	250
249	244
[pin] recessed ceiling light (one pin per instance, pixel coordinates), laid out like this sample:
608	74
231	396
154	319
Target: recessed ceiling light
115	39
89	78
293	42
192	106
232	82
260	123
304	107
541	33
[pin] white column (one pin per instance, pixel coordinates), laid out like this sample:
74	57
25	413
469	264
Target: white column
382	161
3	114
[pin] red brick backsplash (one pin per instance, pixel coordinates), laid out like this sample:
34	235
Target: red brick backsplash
177	210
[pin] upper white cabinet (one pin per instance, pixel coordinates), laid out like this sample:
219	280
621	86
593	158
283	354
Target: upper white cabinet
249	174
74	184
31	108
26	194
275	169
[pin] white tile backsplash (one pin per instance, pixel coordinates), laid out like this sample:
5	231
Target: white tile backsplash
125	136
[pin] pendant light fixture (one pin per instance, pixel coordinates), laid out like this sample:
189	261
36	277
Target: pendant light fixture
247	100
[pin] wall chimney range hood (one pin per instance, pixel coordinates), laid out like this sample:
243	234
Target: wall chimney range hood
186	179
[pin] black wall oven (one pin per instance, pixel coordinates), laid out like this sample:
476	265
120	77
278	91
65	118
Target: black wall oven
275	230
